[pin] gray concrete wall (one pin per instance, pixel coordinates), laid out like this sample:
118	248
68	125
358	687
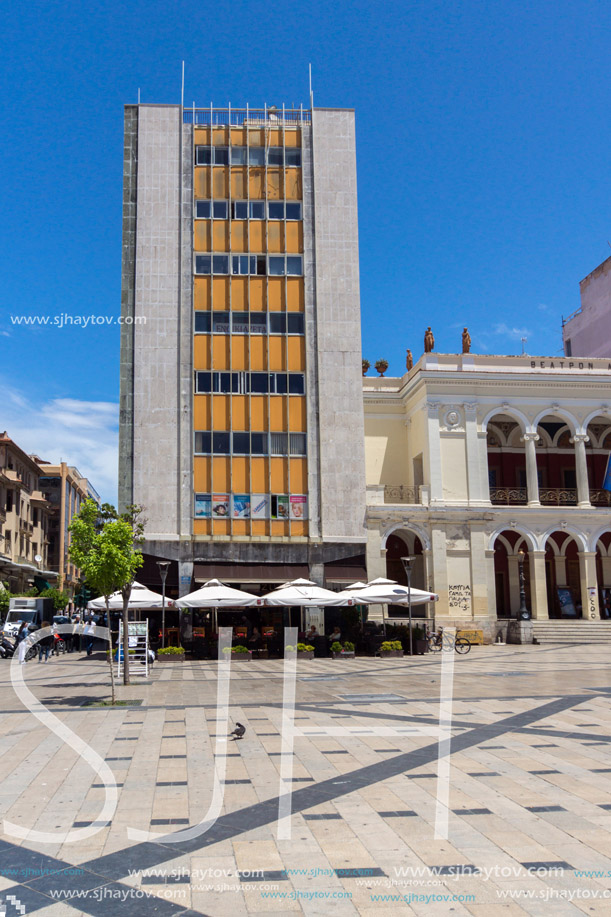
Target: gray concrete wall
157	473
338	326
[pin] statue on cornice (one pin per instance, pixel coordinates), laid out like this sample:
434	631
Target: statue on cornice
429	340
466	341
409	360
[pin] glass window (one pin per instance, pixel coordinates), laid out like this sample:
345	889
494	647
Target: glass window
276	210
238	156
221	443
293	156
279	443
239	264
276	265
275	156
277	323
202	443
294	265
239	210
278	383
295	322
260	266
241	443
202	322
257	210
258	443
220	264
219	210
259	383
203	382
258	322
224	383
240	322
296	384
202	210
220	322
298	443
203	264
221	156
293	210
203	156
256	155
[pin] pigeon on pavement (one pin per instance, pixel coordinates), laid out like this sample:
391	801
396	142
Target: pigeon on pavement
239	731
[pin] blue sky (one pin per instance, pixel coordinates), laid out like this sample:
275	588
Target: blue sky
482	149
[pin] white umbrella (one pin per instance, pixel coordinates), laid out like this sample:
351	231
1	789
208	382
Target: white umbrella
215	594
141	597
305	593
387	592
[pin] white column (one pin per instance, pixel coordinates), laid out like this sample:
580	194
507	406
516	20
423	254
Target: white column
581	469
589	586
434	451
538	585
376	566
532	479
477	475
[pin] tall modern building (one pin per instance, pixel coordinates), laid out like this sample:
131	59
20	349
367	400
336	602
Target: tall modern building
241	410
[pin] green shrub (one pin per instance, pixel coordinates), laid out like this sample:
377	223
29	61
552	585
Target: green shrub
240	649
387	646
396	645
171	651
226	650
349	647
291	649
304	648
336	647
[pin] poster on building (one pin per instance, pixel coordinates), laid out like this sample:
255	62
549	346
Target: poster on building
280	506
203	506
259	506
567	605
220	506
240	506
298	507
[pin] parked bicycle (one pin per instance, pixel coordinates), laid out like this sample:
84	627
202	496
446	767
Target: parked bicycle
438	641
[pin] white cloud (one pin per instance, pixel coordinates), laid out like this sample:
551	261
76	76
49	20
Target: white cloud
81	433
513	333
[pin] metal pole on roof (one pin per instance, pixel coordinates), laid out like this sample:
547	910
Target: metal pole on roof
182	87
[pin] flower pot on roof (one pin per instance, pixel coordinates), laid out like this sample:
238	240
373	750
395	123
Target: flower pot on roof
366	365
381	366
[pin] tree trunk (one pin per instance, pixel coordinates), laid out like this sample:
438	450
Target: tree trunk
112	671
126	591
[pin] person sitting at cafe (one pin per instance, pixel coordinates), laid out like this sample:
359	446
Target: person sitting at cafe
311	634
255	641
336	636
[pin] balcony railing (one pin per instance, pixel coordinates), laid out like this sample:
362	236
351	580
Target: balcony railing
236	117
558	496
508	496
600	497
401	493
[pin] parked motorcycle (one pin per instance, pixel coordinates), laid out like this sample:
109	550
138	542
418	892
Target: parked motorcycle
8	649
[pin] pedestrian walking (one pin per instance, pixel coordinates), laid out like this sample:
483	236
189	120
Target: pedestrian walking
45	644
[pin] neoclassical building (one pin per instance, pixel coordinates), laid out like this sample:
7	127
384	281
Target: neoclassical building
473	459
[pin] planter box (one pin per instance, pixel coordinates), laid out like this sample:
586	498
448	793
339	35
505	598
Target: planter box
241	657
343	655
306	654
171	657
389	654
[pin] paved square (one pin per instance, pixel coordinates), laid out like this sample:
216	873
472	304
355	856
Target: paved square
529	800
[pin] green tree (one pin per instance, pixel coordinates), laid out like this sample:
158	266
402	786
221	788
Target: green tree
60	599
104	546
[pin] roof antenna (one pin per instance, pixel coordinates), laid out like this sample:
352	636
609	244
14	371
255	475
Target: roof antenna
182	87
523	345
311	93
138	95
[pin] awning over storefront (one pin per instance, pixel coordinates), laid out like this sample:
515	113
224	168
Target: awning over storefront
250	573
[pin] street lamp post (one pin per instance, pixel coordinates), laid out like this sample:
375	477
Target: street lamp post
407	564
163	572
523	612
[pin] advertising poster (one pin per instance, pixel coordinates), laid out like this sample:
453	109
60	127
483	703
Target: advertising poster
280	506
241	506
299	507
567	606
203	506
220	506
259	506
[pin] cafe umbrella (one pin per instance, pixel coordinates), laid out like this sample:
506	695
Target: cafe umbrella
215	595
305	594
383	591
